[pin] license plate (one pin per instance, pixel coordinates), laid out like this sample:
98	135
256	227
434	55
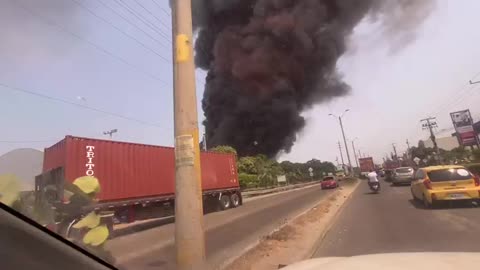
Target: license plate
457	196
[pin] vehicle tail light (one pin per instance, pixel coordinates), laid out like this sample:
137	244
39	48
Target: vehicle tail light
427	183
476	179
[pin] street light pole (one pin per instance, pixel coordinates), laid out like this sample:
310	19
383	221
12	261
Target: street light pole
110	133
189	227
473	82
344	138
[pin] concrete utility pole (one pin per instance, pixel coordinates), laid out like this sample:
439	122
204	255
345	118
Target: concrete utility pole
189	227
344	138
341	154
430	124
354	153
408	149
395	150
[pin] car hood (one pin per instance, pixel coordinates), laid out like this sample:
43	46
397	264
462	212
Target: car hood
424	260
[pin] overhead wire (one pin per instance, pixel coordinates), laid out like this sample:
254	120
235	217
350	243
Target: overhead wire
161	8
119	29
130	22
457	97
82	106
139	17
27	141
149	12
94	45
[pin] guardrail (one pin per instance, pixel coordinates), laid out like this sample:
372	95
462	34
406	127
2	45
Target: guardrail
253	193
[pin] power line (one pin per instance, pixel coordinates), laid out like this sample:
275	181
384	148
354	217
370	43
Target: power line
44	96
161	8
457	95
98	47
149	12
34	141
131	23
139	17
119	29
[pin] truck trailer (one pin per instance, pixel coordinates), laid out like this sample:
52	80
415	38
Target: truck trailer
137	181
366	165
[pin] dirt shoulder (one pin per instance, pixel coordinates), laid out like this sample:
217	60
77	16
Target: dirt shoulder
298	239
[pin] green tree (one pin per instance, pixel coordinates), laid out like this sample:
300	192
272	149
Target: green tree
456	155
247	165
225	149
476	154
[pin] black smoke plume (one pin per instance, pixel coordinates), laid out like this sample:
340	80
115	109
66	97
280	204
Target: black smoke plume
268	60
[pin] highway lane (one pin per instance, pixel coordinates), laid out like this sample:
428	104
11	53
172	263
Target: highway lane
392	222
228	233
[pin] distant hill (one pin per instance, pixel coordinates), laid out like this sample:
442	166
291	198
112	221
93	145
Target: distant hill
25	163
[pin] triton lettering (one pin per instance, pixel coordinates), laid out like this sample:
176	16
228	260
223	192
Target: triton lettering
90	165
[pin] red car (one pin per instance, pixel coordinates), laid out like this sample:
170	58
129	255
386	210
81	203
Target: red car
329	182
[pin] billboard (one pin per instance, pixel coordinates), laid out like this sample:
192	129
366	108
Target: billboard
463	124
366	164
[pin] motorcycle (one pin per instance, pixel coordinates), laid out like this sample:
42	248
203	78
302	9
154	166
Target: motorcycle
374	186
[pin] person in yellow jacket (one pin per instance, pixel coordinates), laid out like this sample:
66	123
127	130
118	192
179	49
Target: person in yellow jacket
79	195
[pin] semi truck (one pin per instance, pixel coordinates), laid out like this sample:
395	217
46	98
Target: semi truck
137	181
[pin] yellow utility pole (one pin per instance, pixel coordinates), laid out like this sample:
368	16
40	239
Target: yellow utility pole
189	228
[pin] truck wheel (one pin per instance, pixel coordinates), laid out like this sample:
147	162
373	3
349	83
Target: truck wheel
235	200
225	202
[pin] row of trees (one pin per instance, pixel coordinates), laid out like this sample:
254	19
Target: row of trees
458	155
260	171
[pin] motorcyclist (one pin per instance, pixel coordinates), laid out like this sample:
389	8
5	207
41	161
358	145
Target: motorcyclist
372	178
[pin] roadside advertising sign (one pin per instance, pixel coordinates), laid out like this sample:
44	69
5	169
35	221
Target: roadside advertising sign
463	124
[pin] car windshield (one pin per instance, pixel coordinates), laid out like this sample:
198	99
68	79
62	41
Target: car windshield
449	175
242	134
404	170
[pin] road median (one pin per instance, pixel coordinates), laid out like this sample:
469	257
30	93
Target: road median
141	225
297	239
259	192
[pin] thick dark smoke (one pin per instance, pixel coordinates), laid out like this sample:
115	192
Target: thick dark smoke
267	61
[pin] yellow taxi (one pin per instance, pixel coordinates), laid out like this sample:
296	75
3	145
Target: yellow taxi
444	183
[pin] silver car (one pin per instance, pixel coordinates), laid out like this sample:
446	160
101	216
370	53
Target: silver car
403	175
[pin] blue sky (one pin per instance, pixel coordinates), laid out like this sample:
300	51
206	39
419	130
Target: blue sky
58	48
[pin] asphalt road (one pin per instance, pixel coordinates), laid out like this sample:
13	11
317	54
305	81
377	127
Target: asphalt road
228	233
391	222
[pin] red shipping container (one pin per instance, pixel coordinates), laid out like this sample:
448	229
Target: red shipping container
132	170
